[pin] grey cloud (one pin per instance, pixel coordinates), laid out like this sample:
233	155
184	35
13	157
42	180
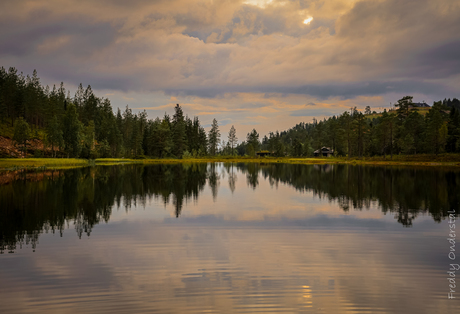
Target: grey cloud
440	61
18	38
342	90
308	112
252	105
351	90
415	38
255	20
386	46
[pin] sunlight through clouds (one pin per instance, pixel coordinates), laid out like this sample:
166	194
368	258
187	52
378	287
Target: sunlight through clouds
308	20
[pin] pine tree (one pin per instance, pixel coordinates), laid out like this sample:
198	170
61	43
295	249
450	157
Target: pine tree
403	107
88	139
3	87
414	129
214	138
72	132
345	122
436	129
453	127
54	135
253	140
203	142
359	131
178	132
232	139
21	133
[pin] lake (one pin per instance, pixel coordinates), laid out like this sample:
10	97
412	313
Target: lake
230	238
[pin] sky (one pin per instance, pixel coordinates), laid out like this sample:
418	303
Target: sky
263	64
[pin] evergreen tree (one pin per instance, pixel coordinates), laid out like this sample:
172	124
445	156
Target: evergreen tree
414	130
178	132
34	99
72	132
232	139
253	140
307	149
345	122
203	142
88	150
297	148
367	110
359	132
54	135
21	133
214	138
436	130
383	134
3	88
164	143
403	106
453	139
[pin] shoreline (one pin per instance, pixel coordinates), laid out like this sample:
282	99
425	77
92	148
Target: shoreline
9	164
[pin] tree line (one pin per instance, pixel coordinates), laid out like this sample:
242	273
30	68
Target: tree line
86	126
402	130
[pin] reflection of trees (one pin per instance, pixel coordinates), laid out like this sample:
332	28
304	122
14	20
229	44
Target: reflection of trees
252	173
214	180
232	177
86	196
405	192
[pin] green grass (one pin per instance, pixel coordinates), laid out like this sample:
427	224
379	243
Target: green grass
64	163
422	110
42	163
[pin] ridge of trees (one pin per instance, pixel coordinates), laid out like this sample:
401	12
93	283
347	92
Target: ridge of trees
354	134
86	126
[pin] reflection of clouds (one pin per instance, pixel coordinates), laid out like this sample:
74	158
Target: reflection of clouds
192	269
269	248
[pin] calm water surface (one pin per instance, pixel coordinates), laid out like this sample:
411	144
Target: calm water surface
228	238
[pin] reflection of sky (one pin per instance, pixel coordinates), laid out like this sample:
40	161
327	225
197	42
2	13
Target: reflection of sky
255	250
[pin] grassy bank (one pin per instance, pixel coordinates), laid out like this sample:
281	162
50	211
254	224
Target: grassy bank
63	163
38	163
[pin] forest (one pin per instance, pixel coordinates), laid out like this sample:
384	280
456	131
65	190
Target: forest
86	126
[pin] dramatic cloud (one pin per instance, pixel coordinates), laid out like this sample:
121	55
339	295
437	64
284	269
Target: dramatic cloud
209	51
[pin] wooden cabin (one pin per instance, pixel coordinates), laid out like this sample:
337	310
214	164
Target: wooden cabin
263	153
324	152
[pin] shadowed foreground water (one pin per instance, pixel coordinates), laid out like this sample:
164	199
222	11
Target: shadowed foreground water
228	238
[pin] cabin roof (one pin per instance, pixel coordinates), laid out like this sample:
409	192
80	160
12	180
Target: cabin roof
324	150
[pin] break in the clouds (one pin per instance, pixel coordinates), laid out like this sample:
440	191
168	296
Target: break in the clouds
208	51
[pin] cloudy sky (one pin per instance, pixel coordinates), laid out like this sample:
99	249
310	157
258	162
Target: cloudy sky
264	64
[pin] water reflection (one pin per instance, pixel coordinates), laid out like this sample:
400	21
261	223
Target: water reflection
33	203
227	238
